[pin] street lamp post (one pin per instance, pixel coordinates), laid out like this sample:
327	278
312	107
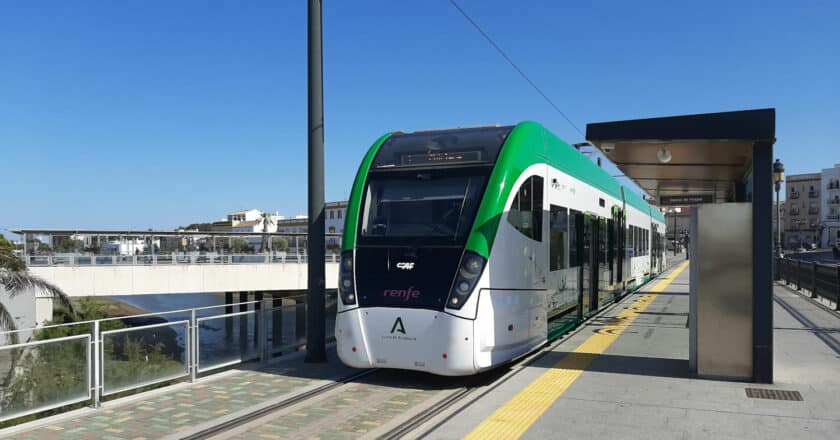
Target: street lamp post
778	178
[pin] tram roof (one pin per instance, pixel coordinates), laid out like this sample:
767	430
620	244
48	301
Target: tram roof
711	153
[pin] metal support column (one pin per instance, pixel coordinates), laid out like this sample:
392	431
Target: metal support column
97	372
193	346
315	323
243	325
762	203
276	322
228	310
258	310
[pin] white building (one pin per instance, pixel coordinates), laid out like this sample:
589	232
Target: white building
244	216
830	183
335	214
251	221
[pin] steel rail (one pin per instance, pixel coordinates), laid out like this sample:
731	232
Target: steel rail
251	416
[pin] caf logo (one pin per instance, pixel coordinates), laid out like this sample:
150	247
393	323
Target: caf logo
398	326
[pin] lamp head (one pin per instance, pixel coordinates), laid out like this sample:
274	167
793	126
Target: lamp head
664	155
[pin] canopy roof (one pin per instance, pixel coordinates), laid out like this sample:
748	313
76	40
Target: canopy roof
709	153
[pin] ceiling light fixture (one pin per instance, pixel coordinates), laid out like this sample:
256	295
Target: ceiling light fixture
664	155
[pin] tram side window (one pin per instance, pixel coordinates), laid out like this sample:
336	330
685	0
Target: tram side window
526	210
575	219
558	237
602	240
638	244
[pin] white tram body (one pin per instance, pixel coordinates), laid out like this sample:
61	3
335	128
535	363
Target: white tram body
543	239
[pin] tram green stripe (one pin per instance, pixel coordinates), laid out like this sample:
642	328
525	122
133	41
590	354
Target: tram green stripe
351	219
530	143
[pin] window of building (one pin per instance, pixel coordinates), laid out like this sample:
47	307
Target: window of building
558	245
525	212
339	214
332	214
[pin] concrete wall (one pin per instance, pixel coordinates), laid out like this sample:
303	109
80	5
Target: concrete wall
27	309
181	278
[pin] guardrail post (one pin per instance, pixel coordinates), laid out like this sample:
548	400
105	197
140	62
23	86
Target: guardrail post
798	274
837	288
193	346
96	365
813	279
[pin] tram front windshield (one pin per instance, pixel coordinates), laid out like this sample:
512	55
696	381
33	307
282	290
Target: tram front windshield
417	205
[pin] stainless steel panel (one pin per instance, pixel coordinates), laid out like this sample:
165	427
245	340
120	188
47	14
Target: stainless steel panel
692	289
724	290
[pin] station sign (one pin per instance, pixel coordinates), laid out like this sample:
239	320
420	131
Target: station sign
686	199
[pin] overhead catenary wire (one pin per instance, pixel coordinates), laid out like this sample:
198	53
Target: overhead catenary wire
515	67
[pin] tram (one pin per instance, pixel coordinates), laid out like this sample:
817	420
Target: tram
467	248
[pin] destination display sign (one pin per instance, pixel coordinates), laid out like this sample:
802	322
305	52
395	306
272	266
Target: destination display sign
686	199
440	157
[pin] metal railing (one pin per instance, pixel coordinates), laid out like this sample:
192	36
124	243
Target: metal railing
109	357
170	259
822	280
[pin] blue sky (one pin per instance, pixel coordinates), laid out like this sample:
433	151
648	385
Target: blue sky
158	113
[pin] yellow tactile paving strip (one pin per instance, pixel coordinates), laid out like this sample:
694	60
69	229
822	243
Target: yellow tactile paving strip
513	418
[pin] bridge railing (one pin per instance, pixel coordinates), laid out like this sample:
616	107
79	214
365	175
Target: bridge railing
112	356
821	280
171	259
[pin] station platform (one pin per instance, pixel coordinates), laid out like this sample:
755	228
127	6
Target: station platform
623	374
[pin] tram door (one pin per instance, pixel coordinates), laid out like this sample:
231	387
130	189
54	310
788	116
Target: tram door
583	229
602	285
654	255
618	233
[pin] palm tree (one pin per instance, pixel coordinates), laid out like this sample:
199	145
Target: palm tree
16	279
266	220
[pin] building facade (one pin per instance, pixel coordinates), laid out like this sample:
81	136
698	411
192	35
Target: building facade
803	223
830	187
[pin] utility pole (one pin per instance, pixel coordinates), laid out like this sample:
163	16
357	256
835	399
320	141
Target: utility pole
315	319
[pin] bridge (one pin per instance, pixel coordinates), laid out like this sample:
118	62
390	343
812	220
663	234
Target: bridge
141	264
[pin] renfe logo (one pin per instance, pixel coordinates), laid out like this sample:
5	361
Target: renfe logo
405	265
405	294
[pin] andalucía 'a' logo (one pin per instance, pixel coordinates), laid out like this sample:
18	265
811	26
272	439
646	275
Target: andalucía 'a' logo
398	326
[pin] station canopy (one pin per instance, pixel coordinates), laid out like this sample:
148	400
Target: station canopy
684	160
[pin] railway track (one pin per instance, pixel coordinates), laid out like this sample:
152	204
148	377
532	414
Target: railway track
420	423
294	400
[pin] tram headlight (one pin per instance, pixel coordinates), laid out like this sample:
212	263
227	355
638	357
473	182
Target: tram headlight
345	279
469	272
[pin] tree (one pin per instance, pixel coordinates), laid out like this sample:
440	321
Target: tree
241	245
16	279
279	244
66	245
